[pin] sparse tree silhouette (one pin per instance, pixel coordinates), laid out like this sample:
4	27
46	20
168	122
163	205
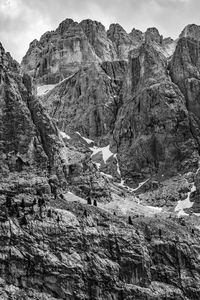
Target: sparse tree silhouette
89	201
18	214
160	233
58	219
137	232
24	220
32	210
23	204
53	190
49	213
39	202
16	208
147	233
130	221
95	202
8	201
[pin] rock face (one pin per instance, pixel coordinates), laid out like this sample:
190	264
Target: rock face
121	40
152	131
85	257
29	139
60	53
86	102
97	37
184	70
149	114
139	102
152	35
192	31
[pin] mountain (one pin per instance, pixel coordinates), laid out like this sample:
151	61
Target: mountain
100	178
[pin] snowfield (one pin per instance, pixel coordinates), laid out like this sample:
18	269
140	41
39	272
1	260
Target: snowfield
44	89
185	203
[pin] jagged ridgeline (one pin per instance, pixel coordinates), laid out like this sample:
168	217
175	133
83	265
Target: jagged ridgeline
124	90
99	156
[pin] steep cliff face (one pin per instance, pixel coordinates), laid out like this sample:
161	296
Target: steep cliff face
97	37
62	52
192	31
59	53
29	139
121	40
152	132
153	35
85	102
132	103
185	72
123	91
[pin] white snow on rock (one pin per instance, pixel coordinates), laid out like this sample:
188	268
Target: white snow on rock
107	175
124	206
98	165
140	184
106	153
118	169
170	48
154	208
67	217
85	139
44	89
185	203
167	50
130	189
64	135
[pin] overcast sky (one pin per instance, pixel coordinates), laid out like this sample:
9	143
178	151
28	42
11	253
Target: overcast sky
21	21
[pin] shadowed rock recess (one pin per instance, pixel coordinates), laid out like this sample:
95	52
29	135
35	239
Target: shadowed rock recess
99	166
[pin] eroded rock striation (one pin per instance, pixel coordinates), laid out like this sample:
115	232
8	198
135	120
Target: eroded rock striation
116	109
152	130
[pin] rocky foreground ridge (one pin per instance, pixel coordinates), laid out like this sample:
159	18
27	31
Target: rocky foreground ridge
113	116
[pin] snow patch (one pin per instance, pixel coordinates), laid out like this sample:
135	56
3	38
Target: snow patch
118	169
155	208
185	203
130	189
85	139
64	135
98	165
106	153
44	89
107	175
140	184
169	49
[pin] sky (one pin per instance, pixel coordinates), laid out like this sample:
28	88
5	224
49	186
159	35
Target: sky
21	21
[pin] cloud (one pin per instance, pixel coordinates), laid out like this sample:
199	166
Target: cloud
21	21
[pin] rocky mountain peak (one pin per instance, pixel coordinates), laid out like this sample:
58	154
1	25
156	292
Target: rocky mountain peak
89	25
121	40
136	35
7	62
117	33
192	31
65	25
97	37
152	35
